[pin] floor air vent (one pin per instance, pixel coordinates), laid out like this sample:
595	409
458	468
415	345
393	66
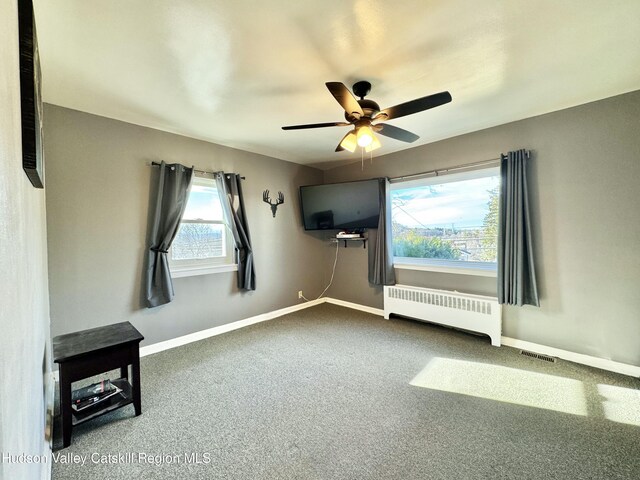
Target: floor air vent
538	356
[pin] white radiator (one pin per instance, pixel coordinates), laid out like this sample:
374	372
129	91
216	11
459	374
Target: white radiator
460	310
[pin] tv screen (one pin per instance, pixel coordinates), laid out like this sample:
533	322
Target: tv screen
340	206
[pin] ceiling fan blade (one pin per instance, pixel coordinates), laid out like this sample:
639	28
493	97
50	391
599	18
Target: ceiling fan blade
397	133
316	125
417	105
345	98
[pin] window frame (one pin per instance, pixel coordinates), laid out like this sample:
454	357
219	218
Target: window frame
205	266
460	267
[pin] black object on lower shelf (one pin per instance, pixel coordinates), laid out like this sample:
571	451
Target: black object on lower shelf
114	402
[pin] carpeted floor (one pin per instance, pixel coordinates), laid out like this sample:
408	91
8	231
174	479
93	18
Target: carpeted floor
333	393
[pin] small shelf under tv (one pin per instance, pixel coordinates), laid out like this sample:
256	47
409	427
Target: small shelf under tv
108	405
354	239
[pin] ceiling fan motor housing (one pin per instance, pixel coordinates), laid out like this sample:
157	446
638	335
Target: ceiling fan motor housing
369	107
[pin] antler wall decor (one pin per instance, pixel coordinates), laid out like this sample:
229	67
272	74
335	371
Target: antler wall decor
274	206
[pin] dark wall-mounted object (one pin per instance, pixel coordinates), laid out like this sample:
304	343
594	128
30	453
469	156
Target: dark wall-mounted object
340	206
274	206
30	95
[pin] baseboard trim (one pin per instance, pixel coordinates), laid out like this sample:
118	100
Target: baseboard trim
581	358
212	332
219	330
602	363
355	306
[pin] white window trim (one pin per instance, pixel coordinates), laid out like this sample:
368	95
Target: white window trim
479	269
202	270
205	266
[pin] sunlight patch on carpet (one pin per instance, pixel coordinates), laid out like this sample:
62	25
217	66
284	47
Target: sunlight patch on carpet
503	384
620	404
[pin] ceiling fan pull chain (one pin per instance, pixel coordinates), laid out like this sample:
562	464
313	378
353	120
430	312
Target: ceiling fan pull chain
362	158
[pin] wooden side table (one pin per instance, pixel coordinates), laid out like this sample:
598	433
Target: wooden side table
91	352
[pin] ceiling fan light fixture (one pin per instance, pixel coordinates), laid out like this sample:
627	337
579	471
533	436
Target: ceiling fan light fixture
374	145
365	136
350	142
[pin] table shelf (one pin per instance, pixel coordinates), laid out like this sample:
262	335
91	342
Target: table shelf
92	352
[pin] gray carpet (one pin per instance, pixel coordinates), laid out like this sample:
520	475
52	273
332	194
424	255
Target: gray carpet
332	393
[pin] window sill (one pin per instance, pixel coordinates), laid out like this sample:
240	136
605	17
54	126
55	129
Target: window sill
193	271
478	269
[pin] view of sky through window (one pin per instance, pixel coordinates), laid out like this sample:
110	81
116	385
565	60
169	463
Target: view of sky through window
447	205
452	220
203	204
197	237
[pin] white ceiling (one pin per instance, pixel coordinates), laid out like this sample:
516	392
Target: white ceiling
234	71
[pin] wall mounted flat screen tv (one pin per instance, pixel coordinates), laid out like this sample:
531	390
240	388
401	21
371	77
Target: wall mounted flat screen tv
340	206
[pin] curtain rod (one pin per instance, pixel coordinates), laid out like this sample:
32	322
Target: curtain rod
437	172
206	172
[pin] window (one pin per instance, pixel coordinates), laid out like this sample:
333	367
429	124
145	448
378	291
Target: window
203	243
447	223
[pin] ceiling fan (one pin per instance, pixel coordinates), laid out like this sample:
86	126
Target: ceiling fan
361	114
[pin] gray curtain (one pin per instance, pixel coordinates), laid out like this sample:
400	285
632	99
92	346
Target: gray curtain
381	270
174	183
230	191
516	272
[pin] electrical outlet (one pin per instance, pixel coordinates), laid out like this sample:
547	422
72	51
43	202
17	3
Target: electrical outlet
299	293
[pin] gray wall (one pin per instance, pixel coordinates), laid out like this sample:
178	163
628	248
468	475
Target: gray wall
97	203
585	178
24	310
